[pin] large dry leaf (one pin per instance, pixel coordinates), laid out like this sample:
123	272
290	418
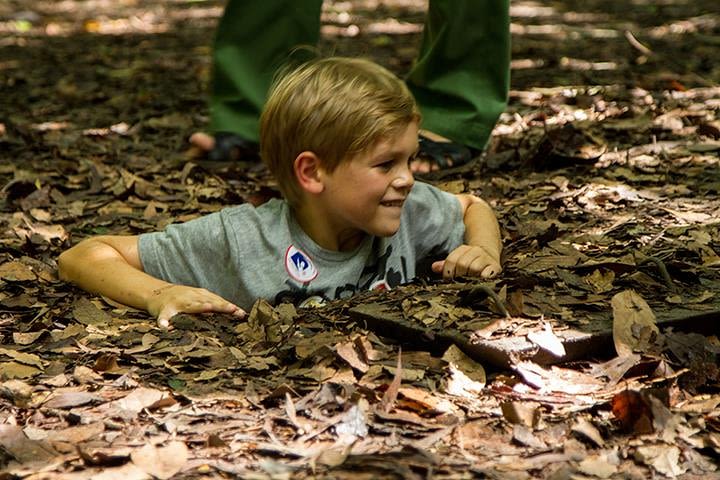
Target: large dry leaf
600	280
14	441
348	352
162	462
126	472
27	338
77	434
663	458
299	423
71	399
599	466
634	328
521	413
16	271
692	217
26	358
10	370
84	375
139	399
48	232
308	346
560	380
586	429
390	395
354	421
547	340
335	455
615	369
88	313
467	377
425	402
523	435
18	392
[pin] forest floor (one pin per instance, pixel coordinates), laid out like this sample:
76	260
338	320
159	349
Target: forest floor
594	355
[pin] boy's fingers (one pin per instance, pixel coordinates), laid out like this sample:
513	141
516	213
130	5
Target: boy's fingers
451	266
443	267
461	269
488	272
213	304
470	263
449	270
193	300
231	308
235	310
164	317
491	270
227	307
467	261
477	266
167	312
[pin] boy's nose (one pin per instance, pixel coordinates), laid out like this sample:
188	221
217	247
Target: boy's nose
404	179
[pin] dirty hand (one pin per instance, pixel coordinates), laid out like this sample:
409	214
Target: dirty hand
168	301
468	261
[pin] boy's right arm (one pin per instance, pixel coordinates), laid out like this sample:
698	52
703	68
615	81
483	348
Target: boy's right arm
110	266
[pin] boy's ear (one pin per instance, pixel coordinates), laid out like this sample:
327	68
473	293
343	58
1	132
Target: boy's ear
308	172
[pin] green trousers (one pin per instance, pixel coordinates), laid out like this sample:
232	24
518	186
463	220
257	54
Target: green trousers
460	78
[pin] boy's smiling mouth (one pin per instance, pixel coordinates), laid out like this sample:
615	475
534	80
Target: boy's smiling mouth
393	203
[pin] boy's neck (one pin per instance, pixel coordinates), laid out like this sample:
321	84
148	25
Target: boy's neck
316	226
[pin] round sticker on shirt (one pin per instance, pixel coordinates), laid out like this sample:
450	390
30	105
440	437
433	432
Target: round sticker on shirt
299	266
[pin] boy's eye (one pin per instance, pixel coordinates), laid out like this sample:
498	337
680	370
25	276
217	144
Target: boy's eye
386	165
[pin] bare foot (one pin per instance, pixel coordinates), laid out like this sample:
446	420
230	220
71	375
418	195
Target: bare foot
201	144
202	141
223	147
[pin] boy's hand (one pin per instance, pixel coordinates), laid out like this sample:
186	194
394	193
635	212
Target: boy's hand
168	301
468	261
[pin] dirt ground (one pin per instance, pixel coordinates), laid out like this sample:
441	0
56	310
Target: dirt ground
595	355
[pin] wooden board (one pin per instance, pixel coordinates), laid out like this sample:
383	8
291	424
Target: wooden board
506	349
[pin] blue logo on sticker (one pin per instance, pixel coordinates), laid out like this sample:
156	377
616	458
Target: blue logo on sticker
300	262
299	266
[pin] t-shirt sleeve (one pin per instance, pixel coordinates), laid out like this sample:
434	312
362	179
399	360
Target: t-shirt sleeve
435	221
196	253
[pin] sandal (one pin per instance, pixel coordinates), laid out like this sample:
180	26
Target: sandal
231	147
444	154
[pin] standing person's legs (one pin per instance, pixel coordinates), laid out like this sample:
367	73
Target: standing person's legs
462	75
253	39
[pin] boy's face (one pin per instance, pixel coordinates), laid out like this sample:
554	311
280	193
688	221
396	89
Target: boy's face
366	194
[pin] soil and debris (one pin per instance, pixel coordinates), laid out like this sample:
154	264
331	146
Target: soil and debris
595	355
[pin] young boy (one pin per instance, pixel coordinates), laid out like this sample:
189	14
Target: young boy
338	134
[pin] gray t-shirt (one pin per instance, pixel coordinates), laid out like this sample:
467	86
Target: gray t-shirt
244	253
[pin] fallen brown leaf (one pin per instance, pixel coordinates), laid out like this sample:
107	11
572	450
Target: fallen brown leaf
634	328
161	462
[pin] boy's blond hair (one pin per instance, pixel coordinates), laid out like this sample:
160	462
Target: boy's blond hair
334	107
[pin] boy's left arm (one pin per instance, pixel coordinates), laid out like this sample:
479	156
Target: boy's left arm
480	254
